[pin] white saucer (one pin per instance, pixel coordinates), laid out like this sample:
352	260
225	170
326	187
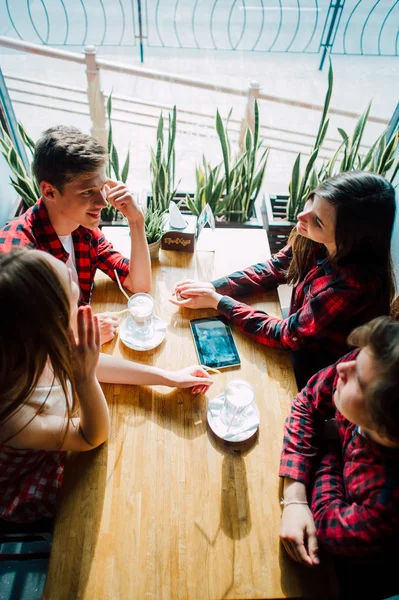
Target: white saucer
235	434
127	333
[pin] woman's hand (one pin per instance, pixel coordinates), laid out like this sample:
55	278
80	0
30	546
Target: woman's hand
86	347
195	294
188	284
298	534
194	377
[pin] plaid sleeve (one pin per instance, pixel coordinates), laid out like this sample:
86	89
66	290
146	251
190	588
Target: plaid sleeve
310	321
305	423
257	278
14	235
354	528
110	260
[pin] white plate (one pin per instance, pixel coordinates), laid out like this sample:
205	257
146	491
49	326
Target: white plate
235	434
127	333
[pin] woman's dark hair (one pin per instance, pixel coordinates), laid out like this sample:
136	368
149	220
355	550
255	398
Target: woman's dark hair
365	214
34	332
381	336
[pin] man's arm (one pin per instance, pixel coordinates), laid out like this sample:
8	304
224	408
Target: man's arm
138	278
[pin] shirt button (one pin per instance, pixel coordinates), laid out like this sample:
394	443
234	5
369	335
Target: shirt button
294	339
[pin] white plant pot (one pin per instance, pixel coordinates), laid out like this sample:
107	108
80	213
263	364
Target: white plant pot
154	250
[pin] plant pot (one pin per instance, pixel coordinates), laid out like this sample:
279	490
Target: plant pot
255	222
154	250
277	227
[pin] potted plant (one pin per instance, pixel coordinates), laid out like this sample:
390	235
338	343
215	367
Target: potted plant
282	211
154	228
162	166
109	214
209	189
243	176
22	180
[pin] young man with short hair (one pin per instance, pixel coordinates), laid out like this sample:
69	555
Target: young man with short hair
70	169
352	481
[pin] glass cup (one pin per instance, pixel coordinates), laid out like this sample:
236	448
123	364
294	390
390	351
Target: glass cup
141	308
238	397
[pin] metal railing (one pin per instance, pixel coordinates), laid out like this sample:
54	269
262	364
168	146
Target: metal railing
96	97
364	27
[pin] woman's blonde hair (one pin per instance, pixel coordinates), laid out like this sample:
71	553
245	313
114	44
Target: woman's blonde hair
34	332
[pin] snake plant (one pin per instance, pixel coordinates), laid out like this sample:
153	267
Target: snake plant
379	159
162	165
243	175
209	189
109	213
301	184
21	180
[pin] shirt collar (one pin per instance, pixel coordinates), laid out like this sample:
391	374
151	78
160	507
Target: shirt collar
46	235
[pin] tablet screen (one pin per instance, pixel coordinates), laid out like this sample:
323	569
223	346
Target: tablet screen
214	343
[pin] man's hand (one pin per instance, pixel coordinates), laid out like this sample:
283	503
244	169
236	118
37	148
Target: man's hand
298	534
121	198
195	294
108	326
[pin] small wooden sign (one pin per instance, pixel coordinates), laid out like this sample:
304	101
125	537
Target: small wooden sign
180	240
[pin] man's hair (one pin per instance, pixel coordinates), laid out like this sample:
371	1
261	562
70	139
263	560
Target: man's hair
382	398
63	153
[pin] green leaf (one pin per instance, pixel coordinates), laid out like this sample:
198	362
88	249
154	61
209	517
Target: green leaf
29	143
327	101
343	134
386	155
125	170
160	130
225	149
115	162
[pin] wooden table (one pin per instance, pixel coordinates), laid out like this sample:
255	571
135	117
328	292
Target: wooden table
164	509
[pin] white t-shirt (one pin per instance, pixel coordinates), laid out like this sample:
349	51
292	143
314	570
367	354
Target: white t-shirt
67	242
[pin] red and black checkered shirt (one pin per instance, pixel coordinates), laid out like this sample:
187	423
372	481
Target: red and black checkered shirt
354	482
29	483
325	306
33	229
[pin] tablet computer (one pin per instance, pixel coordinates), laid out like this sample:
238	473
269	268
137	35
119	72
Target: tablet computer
214	343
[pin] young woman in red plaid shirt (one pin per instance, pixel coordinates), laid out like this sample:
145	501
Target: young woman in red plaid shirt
50	363
338	260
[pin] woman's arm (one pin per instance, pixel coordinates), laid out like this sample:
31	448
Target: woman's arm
46	431
112	369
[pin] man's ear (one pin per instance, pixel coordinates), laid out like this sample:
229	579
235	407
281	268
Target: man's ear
48	190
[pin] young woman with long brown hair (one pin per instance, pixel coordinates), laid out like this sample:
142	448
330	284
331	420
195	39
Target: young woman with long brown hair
50	363
338	260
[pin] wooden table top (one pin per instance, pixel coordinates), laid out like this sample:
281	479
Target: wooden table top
164	509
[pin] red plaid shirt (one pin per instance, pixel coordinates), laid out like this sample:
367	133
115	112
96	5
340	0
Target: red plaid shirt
29	483
325	306
355	482
34	230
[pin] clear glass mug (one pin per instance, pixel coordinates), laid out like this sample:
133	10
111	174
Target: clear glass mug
238	397
141	308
